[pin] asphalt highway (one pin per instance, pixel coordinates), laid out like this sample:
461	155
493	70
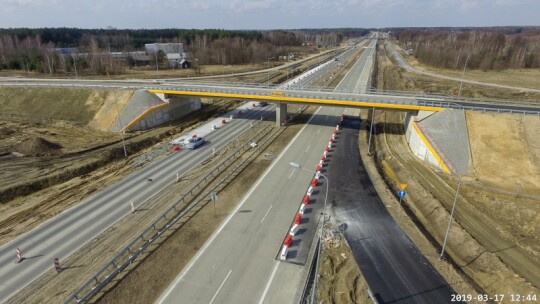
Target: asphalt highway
395	270
238	263
73	228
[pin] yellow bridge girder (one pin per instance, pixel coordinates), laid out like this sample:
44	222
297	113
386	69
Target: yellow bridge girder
281	97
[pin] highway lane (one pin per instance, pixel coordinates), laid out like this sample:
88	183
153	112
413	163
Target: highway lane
237	264
71	229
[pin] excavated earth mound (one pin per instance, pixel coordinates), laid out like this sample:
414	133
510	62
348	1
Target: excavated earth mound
37	146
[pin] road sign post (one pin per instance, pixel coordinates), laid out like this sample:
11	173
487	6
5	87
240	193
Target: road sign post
401	195
19	255
57	265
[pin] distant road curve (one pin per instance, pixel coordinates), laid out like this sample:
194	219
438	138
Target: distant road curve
404	64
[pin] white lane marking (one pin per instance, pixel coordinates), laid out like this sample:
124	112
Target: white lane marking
266	214
318	130
309	146
267	287
207	244
292	173
220	286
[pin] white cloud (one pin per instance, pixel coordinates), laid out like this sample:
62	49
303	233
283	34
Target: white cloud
243	5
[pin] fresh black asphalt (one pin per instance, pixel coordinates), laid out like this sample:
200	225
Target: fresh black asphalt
395	270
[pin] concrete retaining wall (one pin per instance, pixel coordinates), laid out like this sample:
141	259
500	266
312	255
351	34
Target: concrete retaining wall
441	139
146	110
177	107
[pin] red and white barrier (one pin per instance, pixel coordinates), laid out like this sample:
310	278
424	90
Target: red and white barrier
337	127
302	209
223	121
314	182
309	190
286	244
306	200
57	265
297	221
19	255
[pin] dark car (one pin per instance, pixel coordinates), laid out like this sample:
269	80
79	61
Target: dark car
263	104
194	143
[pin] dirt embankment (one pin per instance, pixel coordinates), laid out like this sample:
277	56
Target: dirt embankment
494	239
341	281
506	151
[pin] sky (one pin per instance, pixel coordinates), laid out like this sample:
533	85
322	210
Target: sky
267	14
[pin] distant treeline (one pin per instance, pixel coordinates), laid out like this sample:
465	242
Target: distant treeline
30	49
485	49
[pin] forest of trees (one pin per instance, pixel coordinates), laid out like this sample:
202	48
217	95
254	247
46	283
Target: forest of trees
485	49
32	49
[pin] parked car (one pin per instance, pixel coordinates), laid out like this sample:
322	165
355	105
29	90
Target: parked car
263	104
194	143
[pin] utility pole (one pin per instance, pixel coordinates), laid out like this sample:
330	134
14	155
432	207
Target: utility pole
462	75
268	70
157	65
450	221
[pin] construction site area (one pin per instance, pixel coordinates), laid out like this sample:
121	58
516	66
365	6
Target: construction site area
57	147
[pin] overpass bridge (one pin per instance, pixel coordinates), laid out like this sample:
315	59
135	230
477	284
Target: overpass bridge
294	94
400	101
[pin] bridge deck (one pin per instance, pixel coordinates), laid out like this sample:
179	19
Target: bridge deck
280	96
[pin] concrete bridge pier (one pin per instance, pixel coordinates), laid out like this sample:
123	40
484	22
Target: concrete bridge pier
281	112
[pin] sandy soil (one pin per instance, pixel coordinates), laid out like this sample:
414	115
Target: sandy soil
506	150
340	279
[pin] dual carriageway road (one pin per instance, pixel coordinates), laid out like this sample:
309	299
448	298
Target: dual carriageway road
70	230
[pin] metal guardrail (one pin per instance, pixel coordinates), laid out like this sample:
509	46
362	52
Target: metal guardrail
140	243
